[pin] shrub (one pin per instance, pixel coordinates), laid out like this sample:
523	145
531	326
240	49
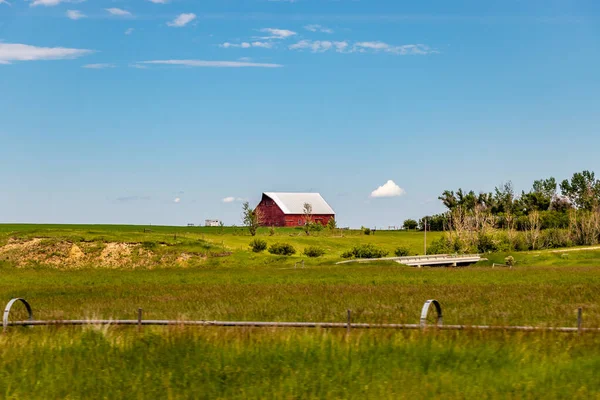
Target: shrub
366	231
314	251
316	227
331	224
367	251
258	245
282	249
510	261
271	232
347	254
402	252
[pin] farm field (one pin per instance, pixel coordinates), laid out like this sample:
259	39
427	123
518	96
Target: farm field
227	282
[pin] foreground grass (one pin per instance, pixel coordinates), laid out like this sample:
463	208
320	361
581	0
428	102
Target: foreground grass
544	288
252	363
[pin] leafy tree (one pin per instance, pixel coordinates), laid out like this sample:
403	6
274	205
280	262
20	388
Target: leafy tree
331	224
252	218
583	190
504	198
410	224
308	217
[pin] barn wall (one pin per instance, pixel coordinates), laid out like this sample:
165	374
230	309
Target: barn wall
272	214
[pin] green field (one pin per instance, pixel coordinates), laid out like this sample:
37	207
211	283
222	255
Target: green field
224	281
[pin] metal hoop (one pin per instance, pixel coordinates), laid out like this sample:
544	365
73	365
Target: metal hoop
7	311
425	311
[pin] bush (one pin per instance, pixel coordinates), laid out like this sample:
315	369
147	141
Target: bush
316	227
402	252
258	245
282	249
510	261
366	231
347	254
271	231
366	251
314	251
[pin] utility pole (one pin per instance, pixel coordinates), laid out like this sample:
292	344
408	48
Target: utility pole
425	240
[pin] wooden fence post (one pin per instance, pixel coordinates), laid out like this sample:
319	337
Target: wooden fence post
349	321
579	319
139	321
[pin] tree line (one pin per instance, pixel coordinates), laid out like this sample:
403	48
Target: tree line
547	200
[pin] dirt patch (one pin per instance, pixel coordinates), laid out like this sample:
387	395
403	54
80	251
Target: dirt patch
64	254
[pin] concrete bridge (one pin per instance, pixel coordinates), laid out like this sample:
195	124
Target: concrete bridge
438	260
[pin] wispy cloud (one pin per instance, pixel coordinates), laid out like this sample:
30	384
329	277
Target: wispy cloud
75	14
182	20
119	12
247	45
407	49
138	66
276	33
52	3
159	1
10	52
177	200
318	28
232	199
5	2
321	46
99	66
212	64
129	31
389	189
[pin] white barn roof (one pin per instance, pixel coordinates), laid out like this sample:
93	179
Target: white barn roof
293	203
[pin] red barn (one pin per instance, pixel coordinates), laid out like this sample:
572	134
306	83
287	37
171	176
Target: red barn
287	209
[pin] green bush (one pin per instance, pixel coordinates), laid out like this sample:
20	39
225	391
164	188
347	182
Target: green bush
402	252
366	231
366	251
510	261
316	227
282	249
258	245
314	251
347	254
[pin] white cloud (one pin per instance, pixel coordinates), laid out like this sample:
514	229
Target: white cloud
247	45
389	189
232	199
320	46
318	28
99	66
5	2
75	14
176	200
182	20
22	52
407	49
118	11
159	1
138	66
277	33
52	3
212	64
129	31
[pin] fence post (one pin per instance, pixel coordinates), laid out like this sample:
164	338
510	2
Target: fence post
579	320
139	321
349	325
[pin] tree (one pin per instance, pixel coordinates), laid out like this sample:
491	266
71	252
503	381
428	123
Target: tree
251	218
308	218
331	224
410	224
583	190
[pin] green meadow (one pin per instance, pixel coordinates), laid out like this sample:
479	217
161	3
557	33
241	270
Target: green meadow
220	279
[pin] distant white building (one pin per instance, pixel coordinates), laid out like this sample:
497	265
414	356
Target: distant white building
212	222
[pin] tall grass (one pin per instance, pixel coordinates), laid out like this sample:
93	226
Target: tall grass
252	363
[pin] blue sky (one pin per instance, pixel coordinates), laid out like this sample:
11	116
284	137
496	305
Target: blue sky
138	111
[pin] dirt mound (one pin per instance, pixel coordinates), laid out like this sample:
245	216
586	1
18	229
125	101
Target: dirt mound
67	254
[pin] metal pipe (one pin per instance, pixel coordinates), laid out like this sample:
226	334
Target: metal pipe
328	325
